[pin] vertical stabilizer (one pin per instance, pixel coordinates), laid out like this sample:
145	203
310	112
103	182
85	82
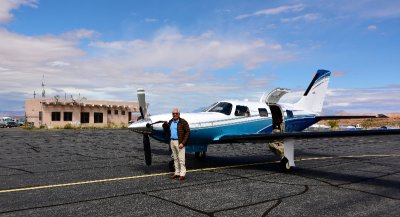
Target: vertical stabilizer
313	98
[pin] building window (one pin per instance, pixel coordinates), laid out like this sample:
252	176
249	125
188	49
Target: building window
55	116
67	116
98	117
122	112
129	116
84	117
109	112
40	116
115	112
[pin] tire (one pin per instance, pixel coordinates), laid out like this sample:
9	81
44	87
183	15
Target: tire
284	165
200	155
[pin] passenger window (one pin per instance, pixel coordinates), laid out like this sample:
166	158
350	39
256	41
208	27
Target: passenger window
242	111
289	113
263	112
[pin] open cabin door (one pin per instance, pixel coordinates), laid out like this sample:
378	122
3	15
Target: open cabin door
278	123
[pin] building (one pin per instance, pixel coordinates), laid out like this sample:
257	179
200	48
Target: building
54	112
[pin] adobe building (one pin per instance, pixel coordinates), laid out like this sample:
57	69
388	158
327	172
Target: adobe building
52	112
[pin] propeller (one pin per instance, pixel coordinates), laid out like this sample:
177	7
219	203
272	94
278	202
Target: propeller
143	114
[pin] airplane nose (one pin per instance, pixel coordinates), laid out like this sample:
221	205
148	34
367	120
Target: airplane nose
143	126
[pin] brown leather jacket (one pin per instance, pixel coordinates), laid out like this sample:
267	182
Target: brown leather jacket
183	130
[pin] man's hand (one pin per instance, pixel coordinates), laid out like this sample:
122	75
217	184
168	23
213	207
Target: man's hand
180	146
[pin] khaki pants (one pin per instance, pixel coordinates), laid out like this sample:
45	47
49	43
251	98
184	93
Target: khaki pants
179	158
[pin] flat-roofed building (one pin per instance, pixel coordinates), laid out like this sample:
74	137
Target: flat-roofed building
52	112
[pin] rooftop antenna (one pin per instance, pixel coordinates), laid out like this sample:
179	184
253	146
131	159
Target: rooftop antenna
43	91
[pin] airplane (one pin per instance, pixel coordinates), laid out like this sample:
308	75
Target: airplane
266	120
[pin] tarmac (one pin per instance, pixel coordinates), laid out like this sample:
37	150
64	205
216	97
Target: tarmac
102	173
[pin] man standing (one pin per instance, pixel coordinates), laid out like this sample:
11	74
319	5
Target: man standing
178	131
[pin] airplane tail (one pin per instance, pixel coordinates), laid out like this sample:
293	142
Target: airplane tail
313	98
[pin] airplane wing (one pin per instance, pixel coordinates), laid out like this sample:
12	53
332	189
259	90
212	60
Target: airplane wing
255	138
339	117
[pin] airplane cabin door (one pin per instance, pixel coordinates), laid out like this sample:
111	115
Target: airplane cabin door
278	124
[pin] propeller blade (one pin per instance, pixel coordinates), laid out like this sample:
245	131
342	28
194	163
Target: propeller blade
141	112
147	149
142	102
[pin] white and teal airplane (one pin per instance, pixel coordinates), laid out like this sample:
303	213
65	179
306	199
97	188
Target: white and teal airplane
243	121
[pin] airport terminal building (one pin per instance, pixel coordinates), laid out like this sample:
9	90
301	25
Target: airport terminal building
52	112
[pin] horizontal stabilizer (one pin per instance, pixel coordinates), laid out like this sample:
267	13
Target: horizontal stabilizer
256	138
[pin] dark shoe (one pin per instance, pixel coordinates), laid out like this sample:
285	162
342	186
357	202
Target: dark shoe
181	178
174	176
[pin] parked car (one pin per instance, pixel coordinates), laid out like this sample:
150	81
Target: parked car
10	124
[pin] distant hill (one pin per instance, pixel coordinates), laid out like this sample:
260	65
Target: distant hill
11	113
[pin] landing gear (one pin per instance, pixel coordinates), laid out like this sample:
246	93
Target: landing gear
171	166
200	155
284	165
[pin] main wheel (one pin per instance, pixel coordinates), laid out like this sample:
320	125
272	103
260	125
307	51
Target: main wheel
200	155
284	165
171	166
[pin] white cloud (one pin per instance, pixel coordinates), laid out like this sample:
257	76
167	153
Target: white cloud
367	100
305	17
58	64
165	65
371	27
150	20
81	34
273	11
170	49
6	6
20	52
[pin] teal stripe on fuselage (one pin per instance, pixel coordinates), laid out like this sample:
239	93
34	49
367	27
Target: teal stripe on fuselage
205	135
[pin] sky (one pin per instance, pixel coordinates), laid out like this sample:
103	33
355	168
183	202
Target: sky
190	54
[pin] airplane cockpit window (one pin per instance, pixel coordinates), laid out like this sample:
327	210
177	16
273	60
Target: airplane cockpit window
263	112
242	111
209	107
222	107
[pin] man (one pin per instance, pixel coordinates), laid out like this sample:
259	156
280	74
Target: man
178	132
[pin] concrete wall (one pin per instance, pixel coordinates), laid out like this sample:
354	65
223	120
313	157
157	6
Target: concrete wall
33	108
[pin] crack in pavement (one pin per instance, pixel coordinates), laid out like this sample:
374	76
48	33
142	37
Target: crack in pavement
272	208
349	183
178	204
26	171
33	147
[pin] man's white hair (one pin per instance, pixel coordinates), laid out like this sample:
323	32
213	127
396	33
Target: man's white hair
176	110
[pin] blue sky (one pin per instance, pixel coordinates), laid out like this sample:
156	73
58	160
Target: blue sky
192	53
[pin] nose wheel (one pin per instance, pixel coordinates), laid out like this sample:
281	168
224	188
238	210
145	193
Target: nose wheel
284	165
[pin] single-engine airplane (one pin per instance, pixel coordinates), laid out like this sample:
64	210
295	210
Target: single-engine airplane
267	120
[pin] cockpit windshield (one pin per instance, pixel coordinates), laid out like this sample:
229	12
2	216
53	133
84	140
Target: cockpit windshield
209	107
221	107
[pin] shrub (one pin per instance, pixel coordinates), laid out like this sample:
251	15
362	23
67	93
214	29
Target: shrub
68	126
333	124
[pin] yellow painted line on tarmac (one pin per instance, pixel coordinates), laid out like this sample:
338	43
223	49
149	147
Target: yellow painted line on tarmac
167	173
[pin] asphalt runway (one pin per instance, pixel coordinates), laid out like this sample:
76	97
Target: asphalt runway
102	173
